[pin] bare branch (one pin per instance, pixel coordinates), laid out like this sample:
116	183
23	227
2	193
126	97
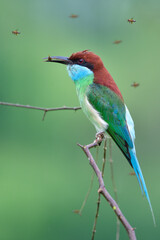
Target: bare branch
96	217
39	108
102	190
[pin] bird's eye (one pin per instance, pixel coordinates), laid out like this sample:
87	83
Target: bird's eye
81	60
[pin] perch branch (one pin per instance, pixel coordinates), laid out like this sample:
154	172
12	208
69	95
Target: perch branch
45	110
102	190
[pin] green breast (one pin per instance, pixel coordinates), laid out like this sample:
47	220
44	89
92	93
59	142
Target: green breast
82	87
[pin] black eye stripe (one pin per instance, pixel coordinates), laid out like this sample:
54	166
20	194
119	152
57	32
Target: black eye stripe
82	62
89	65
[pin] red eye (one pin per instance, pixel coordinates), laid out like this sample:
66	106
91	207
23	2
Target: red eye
81	60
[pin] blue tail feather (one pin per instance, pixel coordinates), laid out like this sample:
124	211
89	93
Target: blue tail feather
140	178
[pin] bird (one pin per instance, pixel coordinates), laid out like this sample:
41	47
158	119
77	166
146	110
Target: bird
103	104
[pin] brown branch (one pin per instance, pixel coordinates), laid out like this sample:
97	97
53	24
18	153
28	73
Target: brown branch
39	108
96	217
102	190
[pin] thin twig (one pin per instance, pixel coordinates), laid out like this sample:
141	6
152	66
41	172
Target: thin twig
89	190
86	197
114	185
104	157
96	216
102	190
39	108
99	195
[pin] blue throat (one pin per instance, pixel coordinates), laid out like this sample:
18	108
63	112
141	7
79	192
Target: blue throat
77	72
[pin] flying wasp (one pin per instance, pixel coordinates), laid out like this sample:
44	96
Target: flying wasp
135	84
131	20
117	41
15	32
73	16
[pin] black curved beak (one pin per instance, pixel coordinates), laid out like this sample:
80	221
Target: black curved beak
58	59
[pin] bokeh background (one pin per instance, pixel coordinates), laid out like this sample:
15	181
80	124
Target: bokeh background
44	176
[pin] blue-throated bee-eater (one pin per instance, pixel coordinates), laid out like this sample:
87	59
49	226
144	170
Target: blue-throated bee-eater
103	104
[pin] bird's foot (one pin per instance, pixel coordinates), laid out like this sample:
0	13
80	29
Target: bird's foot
99	137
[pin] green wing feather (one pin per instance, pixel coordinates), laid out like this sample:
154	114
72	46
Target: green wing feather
112	110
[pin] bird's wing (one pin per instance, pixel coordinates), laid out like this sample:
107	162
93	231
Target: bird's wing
120	126
112	110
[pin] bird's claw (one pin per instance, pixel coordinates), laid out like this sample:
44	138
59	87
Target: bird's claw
99	137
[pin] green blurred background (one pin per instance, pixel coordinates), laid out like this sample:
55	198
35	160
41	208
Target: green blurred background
44	176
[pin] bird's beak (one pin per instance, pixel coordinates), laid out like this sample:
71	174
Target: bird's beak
58	59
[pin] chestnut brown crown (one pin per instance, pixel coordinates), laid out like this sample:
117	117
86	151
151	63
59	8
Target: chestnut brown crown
87	59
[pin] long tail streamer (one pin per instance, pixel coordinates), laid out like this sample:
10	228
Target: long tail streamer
140	178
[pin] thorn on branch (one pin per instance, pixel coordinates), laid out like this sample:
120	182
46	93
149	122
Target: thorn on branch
81	146
45	111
